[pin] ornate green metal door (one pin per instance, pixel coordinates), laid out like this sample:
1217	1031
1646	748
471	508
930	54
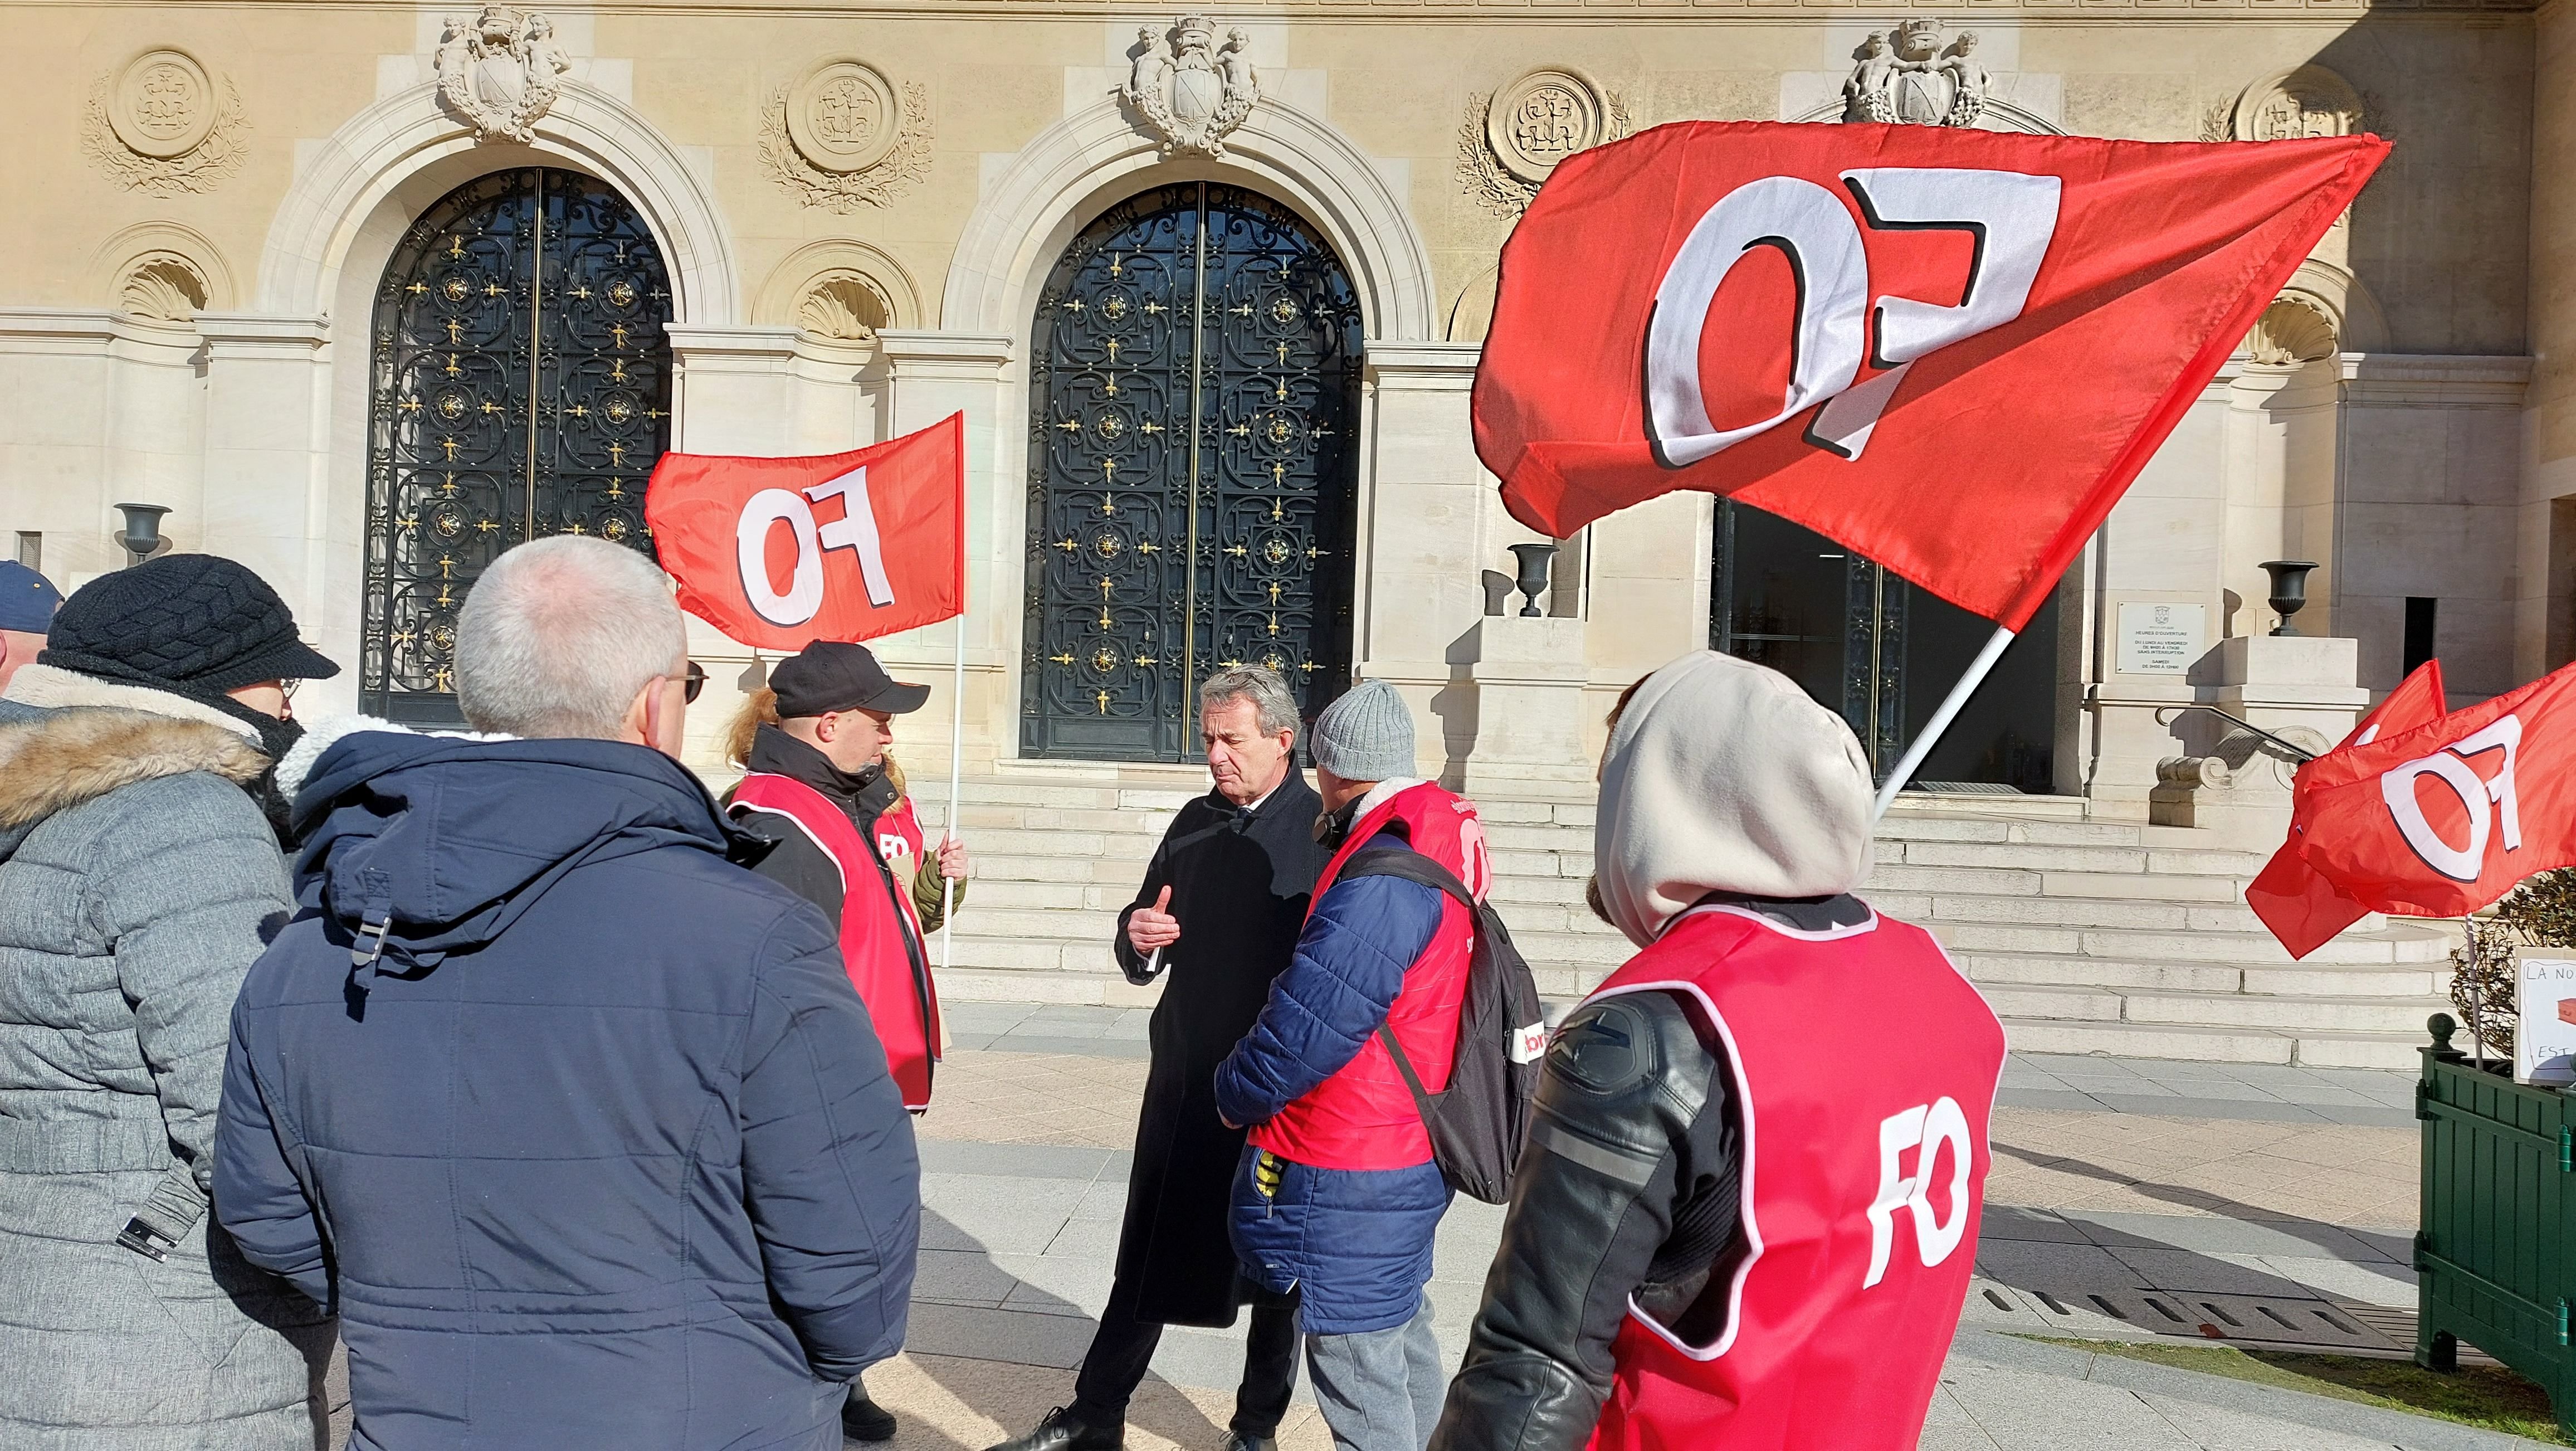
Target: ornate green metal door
1192	470
520	386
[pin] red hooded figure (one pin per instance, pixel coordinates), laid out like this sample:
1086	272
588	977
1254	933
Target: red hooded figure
1734	1232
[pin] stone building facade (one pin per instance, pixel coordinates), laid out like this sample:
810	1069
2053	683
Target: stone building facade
363	293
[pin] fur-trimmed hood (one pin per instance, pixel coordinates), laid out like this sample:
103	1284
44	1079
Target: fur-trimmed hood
60	759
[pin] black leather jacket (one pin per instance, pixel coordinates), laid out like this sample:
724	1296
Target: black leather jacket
1629	1188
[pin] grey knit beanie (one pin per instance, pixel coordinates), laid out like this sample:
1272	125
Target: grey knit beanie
1367	735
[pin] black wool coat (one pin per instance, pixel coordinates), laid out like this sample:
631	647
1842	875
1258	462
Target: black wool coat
1240	885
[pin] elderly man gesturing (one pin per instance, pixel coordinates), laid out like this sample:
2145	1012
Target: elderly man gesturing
1218	915
580	1126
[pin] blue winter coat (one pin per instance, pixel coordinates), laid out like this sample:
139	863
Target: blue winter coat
1357	1240
600	1150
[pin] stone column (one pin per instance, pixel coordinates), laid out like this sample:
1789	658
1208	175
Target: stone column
928	376
732	389
266	479
1422	543
2145	608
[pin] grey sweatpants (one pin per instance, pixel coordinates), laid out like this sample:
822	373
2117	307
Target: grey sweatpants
1380	1391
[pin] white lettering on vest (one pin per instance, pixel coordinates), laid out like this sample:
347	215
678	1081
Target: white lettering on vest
1929	1128
2011	215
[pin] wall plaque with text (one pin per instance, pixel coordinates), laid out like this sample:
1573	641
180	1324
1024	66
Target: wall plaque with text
2161	639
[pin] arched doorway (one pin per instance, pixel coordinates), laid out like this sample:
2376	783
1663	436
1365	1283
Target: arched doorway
1194	399
519	385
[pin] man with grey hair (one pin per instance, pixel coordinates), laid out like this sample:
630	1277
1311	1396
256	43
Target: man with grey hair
1220	908
578	1125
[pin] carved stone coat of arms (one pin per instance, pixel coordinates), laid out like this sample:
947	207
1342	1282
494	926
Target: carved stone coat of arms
1908	75
1190	88
501	71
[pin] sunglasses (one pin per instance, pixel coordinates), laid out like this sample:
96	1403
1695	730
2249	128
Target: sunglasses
693	683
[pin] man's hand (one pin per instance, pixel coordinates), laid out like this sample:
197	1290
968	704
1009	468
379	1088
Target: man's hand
952	858
1151	929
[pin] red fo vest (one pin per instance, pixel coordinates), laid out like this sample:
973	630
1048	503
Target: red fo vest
1363	1117
881	938
1865	1172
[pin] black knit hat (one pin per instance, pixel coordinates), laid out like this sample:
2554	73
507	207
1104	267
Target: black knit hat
196	622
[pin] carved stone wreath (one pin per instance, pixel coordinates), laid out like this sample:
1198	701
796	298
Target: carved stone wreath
160	124
1513	138
840	187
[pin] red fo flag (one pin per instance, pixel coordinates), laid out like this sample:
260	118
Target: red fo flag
1949	349
2302	908
779	552
2443	819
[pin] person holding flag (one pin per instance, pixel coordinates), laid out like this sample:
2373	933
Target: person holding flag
830	802
814	554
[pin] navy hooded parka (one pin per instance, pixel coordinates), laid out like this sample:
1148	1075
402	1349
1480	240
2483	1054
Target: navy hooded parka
600	1150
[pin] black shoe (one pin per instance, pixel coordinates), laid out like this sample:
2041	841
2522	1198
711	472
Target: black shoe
864	1420
1244	1441
1062	1430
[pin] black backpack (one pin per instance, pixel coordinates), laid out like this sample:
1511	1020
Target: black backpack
1479	1122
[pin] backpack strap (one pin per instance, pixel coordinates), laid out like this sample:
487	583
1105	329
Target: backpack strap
1412	866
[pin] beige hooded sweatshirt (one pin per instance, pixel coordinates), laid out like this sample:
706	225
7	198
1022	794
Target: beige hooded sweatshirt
1723	776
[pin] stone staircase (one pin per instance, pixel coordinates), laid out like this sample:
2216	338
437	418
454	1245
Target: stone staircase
2087	936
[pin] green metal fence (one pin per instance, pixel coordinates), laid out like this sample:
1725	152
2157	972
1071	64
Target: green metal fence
2495	1256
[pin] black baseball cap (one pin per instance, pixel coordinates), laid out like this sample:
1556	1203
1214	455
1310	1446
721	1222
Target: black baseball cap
831	675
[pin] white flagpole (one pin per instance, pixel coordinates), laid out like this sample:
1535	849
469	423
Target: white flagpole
1940	721
956	770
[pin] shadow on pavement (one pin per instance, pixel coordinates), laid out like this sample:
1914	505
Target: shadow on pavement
1002	1349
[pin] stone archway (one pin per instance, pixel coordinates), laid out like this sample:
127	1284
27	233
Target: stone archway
354	196
1068	171
406	133
1031	211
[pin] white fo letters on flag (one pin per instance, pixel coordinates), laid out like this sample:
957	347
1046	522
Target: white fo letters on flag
855	530
2489	802
1927	1129
2011	216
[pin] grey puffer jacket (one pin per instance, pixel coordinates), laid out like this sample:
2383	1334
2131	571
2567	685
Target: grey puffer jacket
136	881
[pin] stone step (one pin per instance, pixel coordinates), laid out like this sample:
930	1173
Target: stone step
2031	969
2424	980
2212	1009
2032	856
2316	1014
2120	912
2214	1045
1003	892
1091	989
2388	945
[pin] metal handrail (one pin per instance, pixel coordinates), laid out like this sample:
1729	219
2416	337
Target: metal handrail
2303	753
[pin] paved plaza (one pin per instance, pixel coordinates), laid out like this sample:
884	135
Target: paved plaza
2119	1186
